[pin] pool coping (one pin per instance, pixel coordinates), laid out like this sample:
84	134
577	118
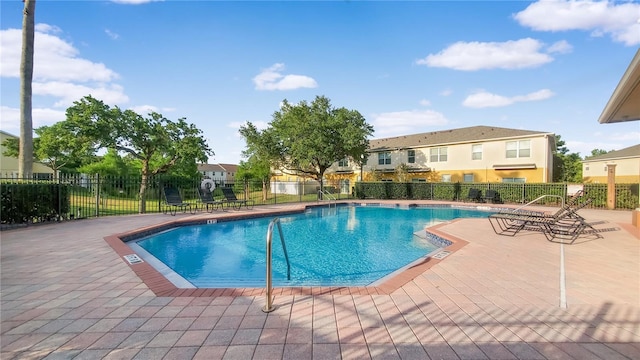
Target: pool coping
161	286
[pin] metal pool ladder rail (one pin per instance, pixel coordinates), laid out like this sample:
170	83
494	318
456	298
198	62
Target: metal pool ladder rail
324	193
268	307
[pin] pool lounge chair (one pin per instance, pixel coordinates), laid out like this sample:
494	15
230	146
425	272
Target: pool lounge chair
511	223
565	224
493	197
173	201
233	201
475	195
207	200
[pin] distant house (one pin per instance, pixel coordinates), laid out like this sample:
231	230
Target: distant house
471	154
220	173
9	165
627	161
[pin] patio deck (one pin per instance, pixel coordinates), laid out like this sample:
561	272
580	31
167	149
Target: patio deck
65	293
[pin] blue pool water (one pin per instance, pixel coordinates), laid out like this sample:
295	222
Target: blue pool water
343	246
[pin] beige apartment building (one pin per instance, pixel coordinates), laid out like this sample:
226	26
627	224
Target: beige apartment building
627	166
9	165
220	173
471	154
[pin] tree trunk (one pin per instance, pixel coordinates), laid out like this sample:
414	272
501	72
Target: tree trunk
142	205
264	190
25	156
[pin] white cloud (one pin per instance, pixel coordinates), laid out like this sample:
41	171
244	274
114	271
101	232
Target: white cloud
425	102
446	92
111	34
483	99
60	74
470	56
54	59
69	92
11	118
562	47
406	122
618	20
273	79
144	110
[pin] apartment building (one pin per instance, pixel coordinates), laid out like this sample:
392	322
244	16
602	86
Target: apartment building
627	162
471	154
220	173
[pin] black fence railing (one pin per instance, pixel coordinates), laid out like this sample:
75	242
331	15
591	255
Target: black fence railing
67	197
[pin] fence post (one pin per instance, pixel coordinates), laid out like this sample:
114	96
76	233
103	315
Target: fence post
97	195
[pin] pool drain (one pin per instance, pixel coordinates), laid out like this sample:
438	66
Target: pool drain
441	255
133	259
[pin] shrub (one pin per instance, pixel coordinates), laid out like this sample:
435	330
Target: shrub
24	203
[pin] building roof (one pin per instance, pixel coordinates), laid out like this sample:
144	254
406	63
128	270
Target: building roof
229	167
461	135
630	152
218	167
624	104
210	167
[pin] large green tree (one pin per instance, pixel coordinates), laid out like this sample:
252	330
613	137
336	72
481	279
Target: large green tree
305	139
256	168
25	155
157	142
567	167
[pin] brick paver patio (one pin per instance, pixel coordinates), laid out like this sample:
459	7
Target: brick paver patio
67	294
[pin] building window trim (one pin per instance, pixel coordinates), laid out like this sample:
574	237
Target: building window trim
384	158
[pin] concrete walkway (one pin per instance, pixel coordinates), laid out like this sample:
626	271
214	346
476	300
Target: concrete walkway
66	294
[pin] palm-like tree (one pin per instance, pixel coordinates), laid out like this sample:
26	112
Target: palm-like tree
25	157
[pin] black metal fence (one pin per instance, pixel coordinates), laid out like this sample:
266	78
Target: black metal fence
69	197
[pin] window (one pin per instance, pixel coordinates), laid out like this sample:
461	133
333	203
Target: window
513	180
384	158
446	178
438	154
343	162
476	152
419	180
411	156
518	149
467	178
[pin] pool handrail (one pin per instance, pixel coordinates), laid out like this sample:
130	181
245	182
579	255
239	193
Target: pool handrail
268	307
323	193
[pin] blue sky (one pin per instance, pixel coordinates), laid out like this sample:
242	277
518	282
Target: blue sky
407	67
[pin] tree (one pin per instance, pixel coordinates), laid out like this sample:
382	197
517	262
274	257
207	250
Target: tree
306	139
402	172
256	168
55	147
158	143
111	164
567	167
25	156
598	152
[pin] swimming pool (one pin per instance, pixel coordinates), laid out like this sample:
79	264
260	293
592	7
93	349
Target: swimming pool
338	246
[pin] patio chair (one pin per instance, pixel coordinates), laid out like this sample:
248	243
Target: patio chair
233	201
475	195
493	196
173	201
565	224
207	200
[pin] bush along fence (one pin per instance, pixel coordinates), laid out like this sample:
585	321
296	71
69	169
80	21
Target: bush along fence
71	197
